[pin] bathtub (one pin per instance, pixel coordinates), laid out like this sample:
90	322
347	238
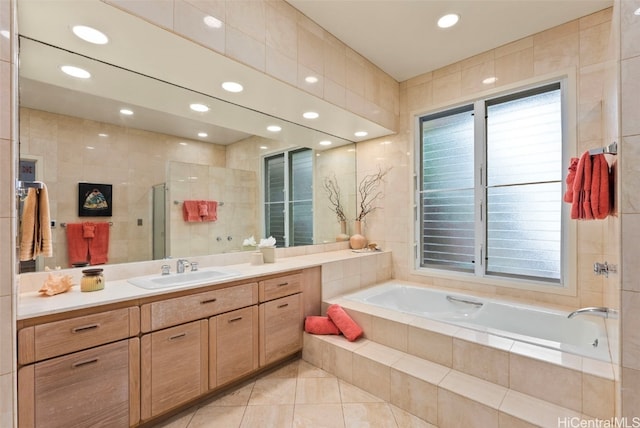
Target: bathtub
583	335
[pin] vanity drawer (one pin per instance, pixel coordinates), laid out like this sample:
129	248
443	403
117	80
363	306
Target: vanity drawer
56	338
281	286
170	312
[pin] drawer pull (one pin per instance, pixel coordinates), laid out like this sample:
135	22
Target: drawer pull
283	284
177	336
284	305
84	363
208	301
85	328
235	319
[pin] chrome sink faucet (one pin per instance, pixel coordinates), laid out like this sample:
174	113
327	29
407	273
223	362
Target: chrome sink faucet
181	265
595	310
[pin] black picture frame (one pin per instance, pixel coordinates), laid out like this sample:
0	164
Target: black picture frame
94	200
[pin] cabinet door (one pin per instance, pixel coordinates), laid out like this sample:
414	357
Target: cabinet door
174	367
280	328
85	389
233	345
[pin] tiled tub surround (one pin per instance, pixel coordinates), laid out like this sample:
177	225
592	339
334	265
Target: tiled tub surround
456	376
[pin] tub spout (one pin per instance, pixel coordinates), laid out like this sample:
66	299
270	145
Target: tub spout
595	310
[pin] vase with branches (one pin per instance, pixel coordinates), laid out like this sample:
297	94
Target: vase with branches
369	193
332	189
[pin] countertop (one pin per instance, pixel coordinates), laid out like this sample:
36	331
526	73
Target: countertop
33	304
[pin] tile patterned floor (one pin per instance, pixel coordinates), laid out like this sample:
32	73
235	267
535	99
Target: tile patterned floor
296	395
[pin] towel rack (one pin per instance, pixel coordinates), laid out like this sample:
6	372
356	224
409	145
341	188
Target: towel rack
611	149
65	224
23	186
220	204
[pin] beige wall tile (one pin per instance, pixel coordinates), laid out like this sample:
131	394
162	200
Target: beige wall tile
281	66
7	326
446	88
312	349
389	333
630	266
6	258
556	49
630	102
629	28
508	421
472	77
594	44
282	28
595	19
414	395
630	332
513	47
630	392
189	21
335	93
456	411
355	68
310	50
335	57
160	12
5	100
247	17
481	361
598	397
537	412
7	416
551	383
244	48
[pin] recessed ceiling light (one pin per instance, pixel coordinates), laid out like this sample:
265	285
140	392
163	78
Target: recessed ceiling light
232	87
310	115
102	134
90	35
202	134
182	143
212	22
199	107
311	79
490	80
448	20
274	128
126	112
90	148
78	72
637	11
361	133
5	33
263	147
325	143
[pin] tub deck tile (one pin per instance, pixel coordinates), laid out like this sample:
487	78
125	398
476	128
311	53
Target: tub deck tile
484	392
535	411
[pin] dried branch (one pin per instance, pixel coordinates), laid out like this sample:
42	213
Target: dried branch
333	192
369	193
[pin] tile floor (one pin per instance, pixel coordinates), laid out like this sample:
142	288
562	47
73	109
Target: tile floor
298	395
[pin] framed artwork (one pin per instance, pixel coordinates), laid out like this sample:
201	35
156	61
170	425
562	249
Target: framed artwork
94	200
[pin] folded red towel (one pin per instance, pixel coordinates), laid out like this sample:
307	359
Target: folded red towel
344	322
600	198
571	178
190	211
203	209
88	230
212	211
320	325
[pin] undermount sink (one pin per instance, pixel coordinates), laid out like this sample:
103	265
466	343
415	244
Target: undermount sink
200	277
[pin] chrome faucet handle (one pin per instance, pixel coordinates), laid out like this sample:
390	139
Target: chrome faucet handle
181	265
166	269
194	266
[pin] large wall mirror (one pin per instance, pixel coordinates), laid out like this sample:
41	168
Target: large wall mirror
72	131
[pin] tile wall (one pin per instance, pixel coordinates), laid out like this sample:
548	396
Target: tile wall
8	150
630	203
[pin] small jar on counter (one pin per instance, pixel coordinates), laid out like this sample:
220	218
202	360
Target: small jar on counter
92	280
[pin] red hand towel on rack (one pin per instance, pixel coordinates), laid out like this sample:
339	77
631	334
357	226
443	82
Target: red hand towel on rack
600	197
99	245
571	178
581	204
212	211
77	245
88	230
190	211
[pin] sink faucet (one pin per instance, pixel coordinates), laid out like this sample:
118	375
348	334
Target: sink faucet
594	310
182	263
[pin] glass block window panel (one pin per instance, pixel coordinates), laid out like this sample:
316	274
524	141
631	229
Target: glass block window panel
447	189
524	189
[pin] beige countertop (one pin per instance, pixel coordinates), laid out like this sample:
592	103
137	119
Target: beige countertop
32	304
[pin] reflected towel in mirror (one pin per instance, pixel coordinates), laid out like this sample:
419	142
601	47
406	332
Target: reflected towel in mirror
35	225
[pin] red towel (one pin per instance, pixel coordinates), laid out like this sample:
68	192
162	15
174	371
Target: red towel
571	178
190	211
320	325
99	245
203	209
344	322
88	230
600	197
77	245
591	198
212	211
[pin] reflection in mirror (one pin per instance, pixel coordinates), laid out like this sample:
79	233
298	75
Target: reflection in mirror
73	132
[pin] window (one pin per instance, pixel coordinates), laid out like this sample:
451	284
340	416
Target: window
491	187
289	197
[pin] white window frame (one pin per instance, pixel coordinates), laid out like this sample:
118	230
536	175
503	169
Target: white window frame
569	256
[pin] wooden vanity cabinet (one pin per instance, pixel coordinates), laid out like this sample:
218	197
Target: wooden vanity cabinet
281	317
233	345
80	372
174	367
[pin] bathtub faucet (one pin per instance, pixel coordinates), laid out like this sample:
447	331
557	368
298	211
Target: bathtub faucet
595	310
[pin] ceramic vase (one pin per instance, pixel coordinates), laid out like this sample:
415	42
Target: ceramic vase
357	240
343	232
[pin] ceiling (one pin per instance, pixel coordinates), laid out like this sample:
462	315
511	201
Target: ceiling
401	36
